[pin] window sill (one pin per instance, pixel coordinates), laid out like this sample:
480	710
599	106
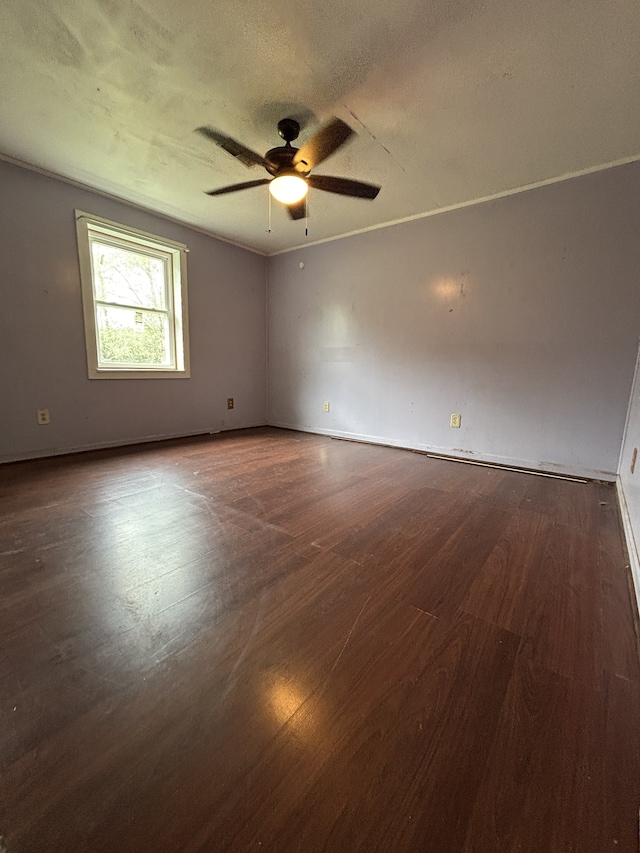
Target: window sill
107	373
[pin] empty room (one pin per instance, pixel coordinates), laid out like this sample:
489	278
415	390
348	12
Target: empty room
319	425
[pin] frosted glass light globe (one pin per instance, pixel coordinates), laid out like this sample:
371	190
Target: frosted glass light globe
288	188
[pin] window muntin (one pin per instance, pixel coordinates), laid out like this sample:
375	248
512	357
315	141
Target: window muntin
134	297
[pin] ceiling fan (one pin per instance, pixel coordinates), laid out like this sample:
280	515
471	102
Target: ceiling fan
290	167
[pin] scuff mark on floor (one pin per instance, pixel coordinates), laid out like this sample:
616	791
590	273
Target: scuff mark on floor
245	649
346	643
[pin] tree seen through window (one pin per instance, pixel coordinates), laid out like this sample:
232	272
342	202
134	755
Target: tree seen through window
131	306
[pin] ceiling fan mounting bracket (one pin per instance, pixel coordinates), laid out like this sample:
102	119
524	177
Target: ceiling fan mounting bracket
289	129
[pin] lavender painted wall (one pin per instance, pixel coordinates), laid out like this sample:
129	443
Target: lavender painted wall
42	348
522	314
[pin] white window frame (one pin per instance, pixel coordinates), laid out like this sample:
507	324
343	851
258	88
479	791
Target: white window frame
175	257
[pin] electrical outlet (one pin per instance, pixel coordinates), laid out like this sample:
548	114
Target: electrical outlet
43	417
326	406
229	402
456	420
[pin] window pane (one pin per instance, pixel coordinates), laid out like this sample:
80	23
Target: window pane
127	336
128	277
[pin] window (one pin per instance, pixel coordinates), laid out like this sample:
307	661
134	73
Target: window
134	294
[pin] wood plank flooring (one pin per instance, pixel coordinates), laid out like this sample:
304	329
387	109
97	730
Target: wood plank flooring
272	641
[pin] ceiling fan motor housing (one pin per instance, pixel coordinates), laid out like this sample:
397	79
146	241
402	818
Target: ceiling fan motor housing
279	161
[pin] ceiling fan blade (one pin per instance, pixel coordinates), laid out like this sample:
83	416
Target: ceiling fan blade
343	186
245	155
323	144
298	210
235	187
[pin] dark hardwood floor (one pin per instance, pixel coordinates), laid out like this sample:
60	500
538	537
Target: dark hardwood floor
272	641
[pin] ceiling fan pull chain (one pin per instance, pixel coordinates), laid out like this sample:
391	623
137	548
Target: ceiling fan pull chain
306	216
269	225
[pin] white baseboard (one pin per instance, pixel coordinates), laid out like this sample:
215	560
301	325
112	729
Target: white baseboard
457	453
632	548
122	442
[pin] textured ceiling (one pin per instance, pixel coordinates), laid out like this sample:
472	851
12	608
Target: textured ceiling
452	101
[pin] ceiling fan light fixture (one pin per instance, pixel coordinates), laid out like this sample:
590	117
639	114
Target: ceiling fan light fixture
288	189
